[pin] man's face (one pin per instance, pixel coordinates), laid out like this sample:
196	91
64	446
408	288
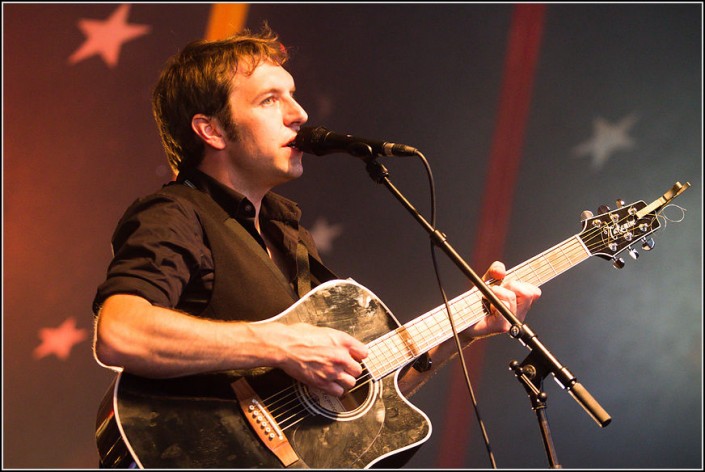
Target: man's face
267	119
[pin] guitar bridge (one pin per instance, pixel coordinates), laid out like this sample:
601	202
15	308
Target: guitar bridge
262	422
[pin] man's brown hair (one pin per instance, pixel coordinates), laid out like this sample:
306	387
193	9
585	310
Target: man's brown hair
198	80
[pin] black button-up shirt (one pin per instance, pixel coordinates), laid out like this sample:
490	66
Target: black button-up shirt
160	252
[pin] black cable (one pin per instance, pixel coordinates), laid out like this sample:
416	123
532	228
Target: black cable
459	347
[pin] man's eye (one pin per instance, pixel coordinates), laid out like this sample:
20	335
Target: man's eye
268	100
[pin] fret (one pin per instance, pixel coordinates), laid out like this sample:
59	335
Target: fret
537	277
578	253
551	263
422	332
392	351
387	354
380	357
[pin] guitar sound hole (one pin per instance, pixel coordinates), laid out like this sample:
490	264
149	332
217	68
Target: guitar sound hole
353	404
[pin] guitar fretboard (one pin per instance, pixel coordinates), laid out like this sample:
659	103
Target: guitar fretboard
397	348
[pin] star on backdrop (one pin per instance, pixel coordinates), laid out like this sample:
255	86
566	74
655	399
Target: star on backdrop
106	37
59	341
324	233
607	138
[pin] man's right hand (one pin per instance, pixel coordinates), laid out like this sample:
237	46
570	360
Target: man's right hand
320	357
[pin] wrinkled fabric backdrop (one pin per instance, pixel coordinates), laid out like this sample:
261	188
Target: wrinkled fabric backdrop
577	104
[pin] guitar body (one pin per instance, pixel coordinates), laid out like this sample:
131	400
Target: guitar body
197	421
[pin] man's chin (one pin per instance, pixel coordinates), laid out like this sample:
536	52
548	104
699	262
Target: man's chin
292	173
296	172
296	167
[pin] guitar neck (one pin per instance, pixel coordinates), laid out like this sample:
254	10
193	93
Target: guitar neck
397	348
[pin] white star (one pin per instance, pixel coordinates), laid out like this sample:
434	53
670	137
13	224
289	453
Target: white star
324	234
59	341
106	37
607	138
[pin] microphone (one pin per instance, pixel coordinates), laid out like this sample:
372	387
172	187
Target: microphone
319	141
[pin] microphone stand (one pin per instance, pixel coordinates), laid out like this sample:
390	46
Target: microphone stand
530	374
540	355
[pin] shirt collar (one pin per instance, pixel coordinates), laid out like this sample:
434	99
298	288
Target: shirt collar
274	206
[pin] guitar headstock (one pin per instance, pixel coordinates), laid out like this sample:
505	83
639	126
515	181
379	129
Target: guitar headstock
611	232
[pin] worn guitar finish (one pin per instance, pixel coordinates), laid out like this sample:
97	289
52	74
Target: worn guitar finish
195	422
274	421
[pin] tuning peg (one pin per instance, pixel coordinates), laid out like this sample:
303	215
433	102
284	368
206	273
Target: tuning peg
586	214
633	253
619	202
603	209
647	244
618	262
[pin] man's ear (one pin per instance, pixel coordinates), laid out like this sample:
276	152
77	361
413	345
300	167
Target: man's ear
208	130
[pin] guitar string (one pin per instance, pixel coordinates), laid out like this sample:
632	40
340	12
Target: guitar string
570	250
274	402
470	306
396	356
363	381
542	275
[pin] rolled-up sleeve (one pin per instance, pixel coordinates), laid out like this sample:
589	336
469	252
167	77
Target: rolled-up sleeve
157	246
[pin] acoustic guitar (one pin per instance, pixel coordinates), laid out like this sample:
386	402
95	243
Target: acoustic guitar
263	418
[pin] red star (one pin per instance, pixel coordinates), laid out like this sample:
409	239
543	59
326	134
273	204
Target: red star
106	37
59	341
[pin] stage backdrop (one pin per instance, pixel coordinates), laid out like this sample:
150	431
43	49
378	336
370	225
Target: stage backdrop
528	115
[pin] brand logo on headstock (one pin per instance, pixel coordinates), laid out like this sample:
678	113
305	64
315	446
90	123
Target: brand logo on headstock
617	230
